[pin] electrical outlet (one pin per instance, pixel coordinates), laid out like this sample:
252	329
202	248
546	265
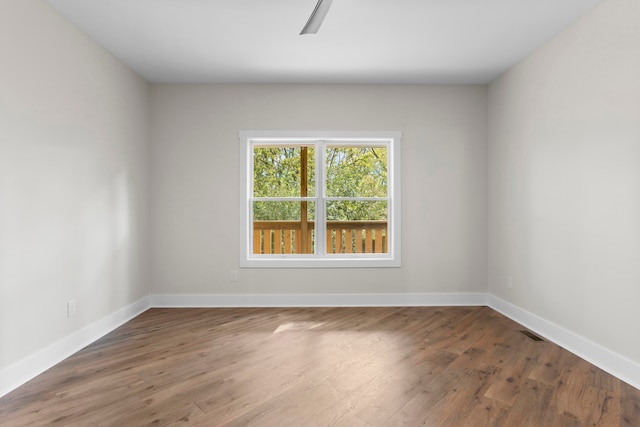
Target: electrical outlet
509	283
71	308
234	276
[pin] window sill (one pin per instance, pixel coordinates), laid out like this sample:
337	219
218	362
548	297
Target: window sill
292	261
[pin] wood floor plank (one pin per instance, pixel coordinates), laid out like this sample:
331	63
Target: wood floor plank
486	413
629	406
393	388
532	407
357	367
549	365
572	390
510	380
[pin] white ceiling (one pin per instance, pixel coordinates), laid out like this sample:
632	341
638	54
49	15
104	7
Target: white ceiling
361	41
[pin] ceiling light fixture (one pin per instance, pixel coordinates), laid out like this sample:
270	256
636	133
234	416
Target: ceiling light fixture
316	18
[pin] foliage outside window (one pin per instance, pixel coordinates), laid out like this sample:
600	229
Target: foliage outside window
317	199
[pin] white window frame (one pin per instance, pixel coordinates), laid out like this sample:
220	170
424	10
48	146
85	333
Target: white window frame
319	260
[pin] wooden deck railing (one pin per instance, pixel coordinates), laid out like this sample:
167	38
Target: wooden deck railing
286	237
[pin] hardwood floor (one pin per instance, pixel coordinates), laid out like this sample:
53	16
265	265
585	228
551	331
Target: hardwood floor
434	366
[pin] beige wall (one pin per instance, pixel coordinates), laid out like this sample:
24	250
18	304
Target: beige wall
564	179
73	131
195	175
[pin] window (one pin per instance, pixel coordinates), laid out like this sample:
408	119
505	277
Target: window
320	199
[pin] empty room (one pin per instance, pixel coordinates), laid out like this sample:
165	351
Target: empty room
319	213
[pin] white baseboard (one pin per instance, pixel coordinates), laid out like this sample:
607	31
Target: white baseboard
318	300
19	373
613	363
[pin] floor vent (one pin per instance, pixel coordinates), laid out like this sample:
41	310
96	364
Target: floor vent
532	336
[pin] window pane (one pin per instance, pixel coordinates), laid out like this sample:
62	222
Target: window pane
282	211
279	227
356	171
277	171
350	210
357	227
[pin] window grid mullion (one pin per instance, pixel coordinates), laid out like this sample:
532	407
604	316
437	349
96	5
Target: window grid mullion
357	199
321	222
283	199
